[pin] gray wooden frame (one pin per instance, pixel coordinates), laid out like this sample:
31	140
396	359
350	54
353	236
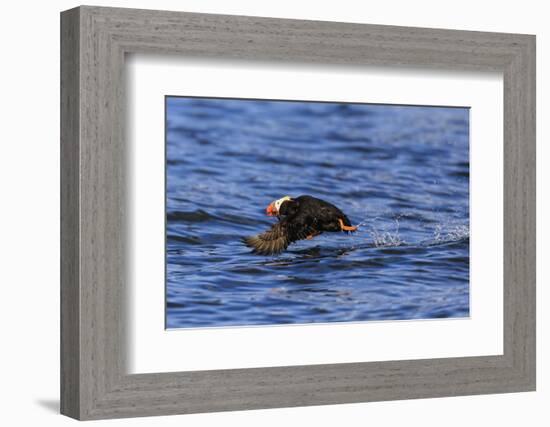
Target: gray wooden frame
94	382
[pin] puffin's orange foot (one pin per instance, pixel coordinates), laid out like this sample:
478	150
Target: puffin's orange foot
346	227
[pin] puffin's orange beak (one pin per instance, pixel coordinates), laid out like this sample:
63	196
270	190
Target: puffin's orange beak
270	210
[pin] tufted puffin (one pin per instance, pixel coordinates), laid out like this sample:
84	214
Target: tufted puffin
300	218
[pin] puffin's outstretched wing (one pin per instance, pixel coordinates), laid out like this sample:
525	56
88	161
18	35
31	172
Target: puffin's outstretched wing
278	237
273	241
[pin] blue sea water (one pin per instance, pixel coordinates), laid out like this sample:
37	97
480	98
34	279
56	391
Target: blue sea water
400	172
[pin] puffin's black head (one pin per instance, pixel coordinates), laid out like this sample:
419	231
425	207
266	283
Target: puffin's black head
278	207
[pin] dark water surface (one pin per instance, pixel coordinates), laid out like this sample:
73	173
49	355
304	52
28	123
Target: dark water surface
401	172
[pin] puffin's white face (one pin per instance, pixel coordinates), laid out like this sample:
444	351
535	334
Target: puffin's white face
279	202
273	208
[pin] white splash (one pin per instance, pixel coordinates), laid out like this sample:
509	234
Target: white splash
386	238
451	233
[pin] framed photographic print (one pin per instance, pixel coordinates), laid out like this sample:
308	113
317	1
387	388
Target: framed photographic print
261	213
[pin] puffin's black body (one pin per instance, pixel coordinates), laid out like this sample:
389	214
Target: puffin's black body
300	218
